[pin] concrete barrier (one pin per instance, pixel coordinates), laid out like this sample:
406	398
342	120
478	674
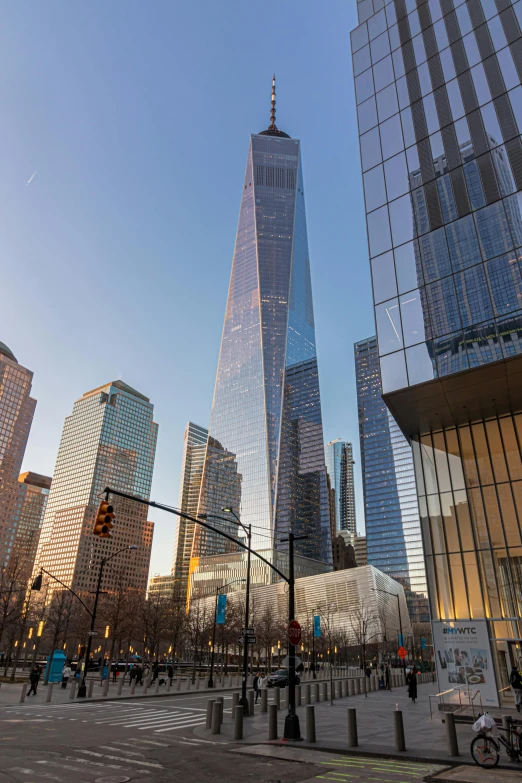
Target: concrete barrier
316	692
307	694
238	722
451	735
91	688
235	702
106	687
277	698
210	705
221	701
352	728
120	687
398	731
350	687
50	691
338	689
310	723
133	687
250	699
157	686
216	719
325	691
72	692
272	722
264	700
24	691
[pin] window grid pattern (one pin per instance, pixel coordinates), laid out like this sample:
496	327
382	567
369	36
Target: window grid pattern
440	115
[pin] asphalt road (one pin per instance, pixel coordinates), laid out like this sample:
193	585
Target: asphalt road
153	740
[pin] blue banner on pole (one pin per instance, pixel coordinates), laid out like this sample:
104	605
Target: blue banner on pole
221	609
400	639
317	625
423	642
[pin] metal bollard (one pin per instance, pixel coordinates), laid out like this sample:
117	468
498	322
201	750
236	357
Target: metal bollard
398	730
310	723
325	691
210	705
316	692
221	701
106	687
272	721
238	722
297	695
277	698
24	689
250	699
91	688
72	692
120	687
50	691
216	719
352	728
133	687
307	694
264	700
235	702
451	734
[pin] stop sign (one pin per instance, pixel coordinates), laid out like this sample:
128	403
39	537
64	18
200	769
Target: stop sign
294	632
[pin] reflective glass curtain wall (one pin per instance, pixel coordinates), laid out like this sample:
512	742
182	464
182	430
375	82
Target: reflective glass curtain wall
439	105
393	534
339	465
266	413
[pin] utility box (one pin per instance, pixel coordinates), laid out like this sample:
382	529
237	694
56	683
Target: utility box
57	665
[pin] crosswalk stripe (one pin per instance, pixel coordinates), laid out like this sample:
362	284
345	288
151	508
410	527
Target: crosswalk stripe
178	719
189	725
120	720
128	716
159	731
119	758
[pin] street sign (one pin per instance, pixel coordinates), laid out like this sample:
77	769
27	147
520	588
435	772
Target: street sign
248	631
402	652
250	640
286	662
294	632
92	633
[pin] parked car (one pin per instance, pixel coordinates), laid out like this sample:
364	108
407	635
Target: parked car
279	679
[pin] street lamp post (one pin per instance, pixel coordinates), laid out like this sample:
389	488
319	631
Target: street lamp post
218	590
82	690
394	595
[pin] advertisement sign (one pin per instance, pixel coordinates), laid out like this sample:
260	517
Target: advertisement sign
463	657
221	609
317	625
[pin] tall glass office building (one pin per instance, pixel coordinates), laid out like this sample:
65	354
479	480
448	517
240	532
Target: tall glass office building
265	455
439	104
339	465
109	440
391	510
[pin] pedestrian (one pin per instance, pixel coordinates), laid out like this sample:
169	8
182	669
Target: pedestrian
515	680
139	675
263	682
170	674
387	678
155	671
34	679
255	685
411	681
114	669
66	673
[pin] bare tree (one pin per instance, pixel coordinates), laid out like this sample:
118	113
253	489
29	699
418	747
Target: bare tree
365	629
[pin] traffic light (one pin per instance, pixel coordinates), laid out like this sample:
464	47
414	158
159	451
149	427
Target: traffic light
104	520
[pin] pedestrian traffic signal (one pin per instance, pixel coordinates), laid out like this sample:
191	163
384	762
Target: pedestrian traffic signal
104	520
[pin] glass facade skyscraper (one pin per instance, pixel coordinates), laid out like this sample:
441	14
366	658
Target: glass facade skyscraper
339	465
391	511
265	455
109	440
16	416
33	493
439	103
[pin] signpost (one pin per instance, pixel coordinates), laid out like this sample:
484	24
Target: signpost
294	633
249	639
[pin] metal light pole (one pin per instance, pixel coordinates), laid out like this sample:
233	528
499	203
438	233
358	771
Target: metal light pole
218	590
394	595
292	730
82	690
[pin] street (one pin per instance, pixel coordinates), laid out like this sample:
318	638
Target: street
158	741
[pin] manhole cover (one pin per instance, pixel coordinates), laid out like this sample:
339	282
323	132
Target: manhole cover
113	779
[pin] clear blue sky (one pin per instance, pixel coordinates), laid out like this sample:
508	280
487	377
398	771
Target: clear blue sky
115	259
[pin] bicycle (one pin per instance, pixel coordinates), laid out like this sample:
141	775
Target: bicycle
485	750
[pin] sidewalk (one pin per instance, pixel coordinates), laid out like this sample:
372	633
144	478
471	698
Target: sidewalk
425	738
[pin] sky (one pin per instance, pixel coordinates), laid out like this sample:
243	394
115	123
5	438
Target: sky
125	129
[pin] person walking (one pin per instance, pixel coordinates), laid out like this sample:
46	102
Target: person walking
139	675
114	671
411	681
66	673
34	679
255	685
515	680
155	671
170	674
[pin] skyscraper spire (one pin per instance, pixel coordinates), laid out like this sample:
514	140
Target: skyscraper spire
272	125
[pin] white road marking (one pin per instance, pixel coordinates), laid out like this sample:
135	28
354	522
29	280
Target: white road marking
119	758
